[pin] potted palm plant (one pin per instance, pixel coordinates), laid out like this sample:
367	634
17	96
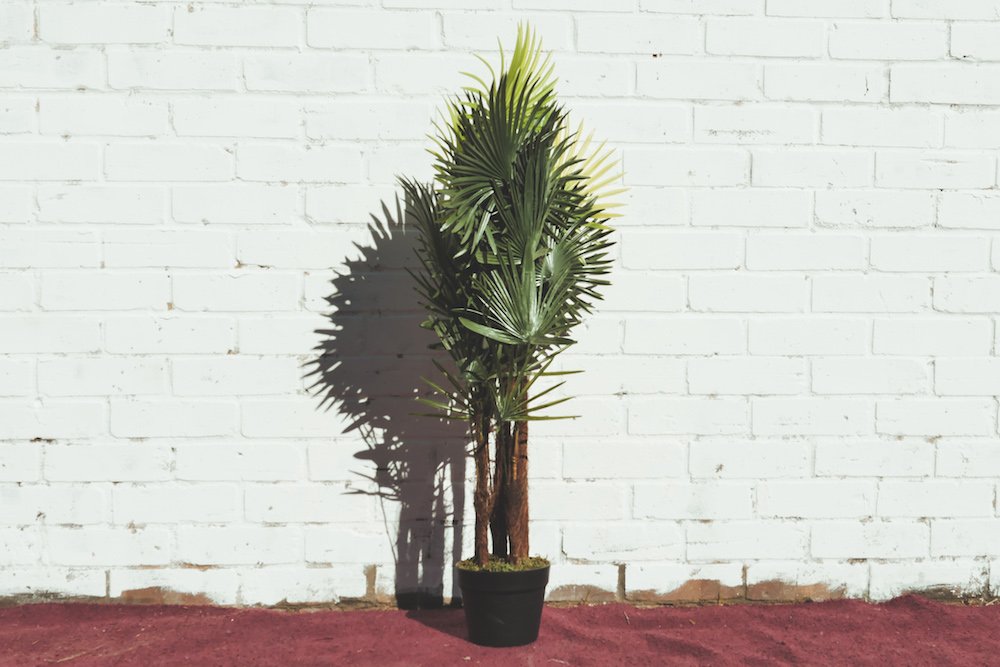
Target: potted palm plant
513	248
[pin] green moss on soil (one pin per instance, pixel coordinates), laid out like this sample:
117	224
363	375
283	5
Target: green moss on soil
501	565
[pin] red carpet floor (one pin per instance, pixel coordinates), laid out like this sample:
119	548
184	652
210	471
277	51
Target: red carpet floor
908	631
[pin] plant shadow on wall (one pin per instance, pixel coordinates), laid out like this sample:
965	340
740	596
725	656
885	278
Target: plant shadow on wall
368	368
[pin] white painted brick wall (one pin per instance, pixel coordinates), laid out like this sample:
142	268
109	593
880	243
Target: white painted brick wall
794	377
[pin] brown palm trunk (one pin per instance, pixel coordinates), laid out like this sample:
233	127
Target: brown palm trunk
483	498
498	517
516	498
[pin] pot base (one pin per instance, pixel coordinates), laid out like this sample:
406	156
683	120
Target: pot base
503	608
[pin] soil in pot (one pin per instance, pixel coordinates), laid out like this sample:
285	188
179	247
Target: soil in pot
503	605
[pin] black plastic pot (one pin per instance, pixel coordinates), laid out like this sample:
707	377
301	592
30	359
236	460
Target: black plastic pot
503	608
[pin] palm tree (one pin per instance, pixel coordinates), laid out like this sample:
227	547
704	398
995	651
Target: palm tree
513	247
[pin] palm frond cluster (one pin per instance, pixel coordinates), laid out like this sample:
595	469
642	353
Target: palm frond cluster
514	242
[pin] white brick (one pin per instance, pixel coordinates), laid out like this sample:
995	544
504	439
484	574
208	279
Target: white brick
290	418
877	539
104	291
19	546
562	501
967	377
17	291
883	127
619	541
812	416
726	7
765	37
831	578
48	248
965	537
425	72
946	83
54	504
697	502
955	577
93	23
219	586
306	72
17	377
930	253
821	82
102	115
369	119
371	29
37	67
158	335
815	499
288	503
812	168
929	9
17	114
107	463
355	543
666	579
237	117
16	22
168	248
870	294
682	250
875	208
16	203
973	210
936	417
102	546
748	207
188	503
698	80
808	335
45	161
755	124
685	166
167	162
832	8
657	291
118	204
612	374
242	291
235	204
928	336
296	585
962	294
662	416
50	333
315	249
632	460
899	169
874	459
868	375
473	30
49	580
256	462
239	545
279	162
52	419
685	336
747	293
237	26
102	376
656	206
935	498
151	418
165	70
639	34
236	375
968	459
747	375
883	40
734	540
280	335
754	459
792	251
646	121
972	128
